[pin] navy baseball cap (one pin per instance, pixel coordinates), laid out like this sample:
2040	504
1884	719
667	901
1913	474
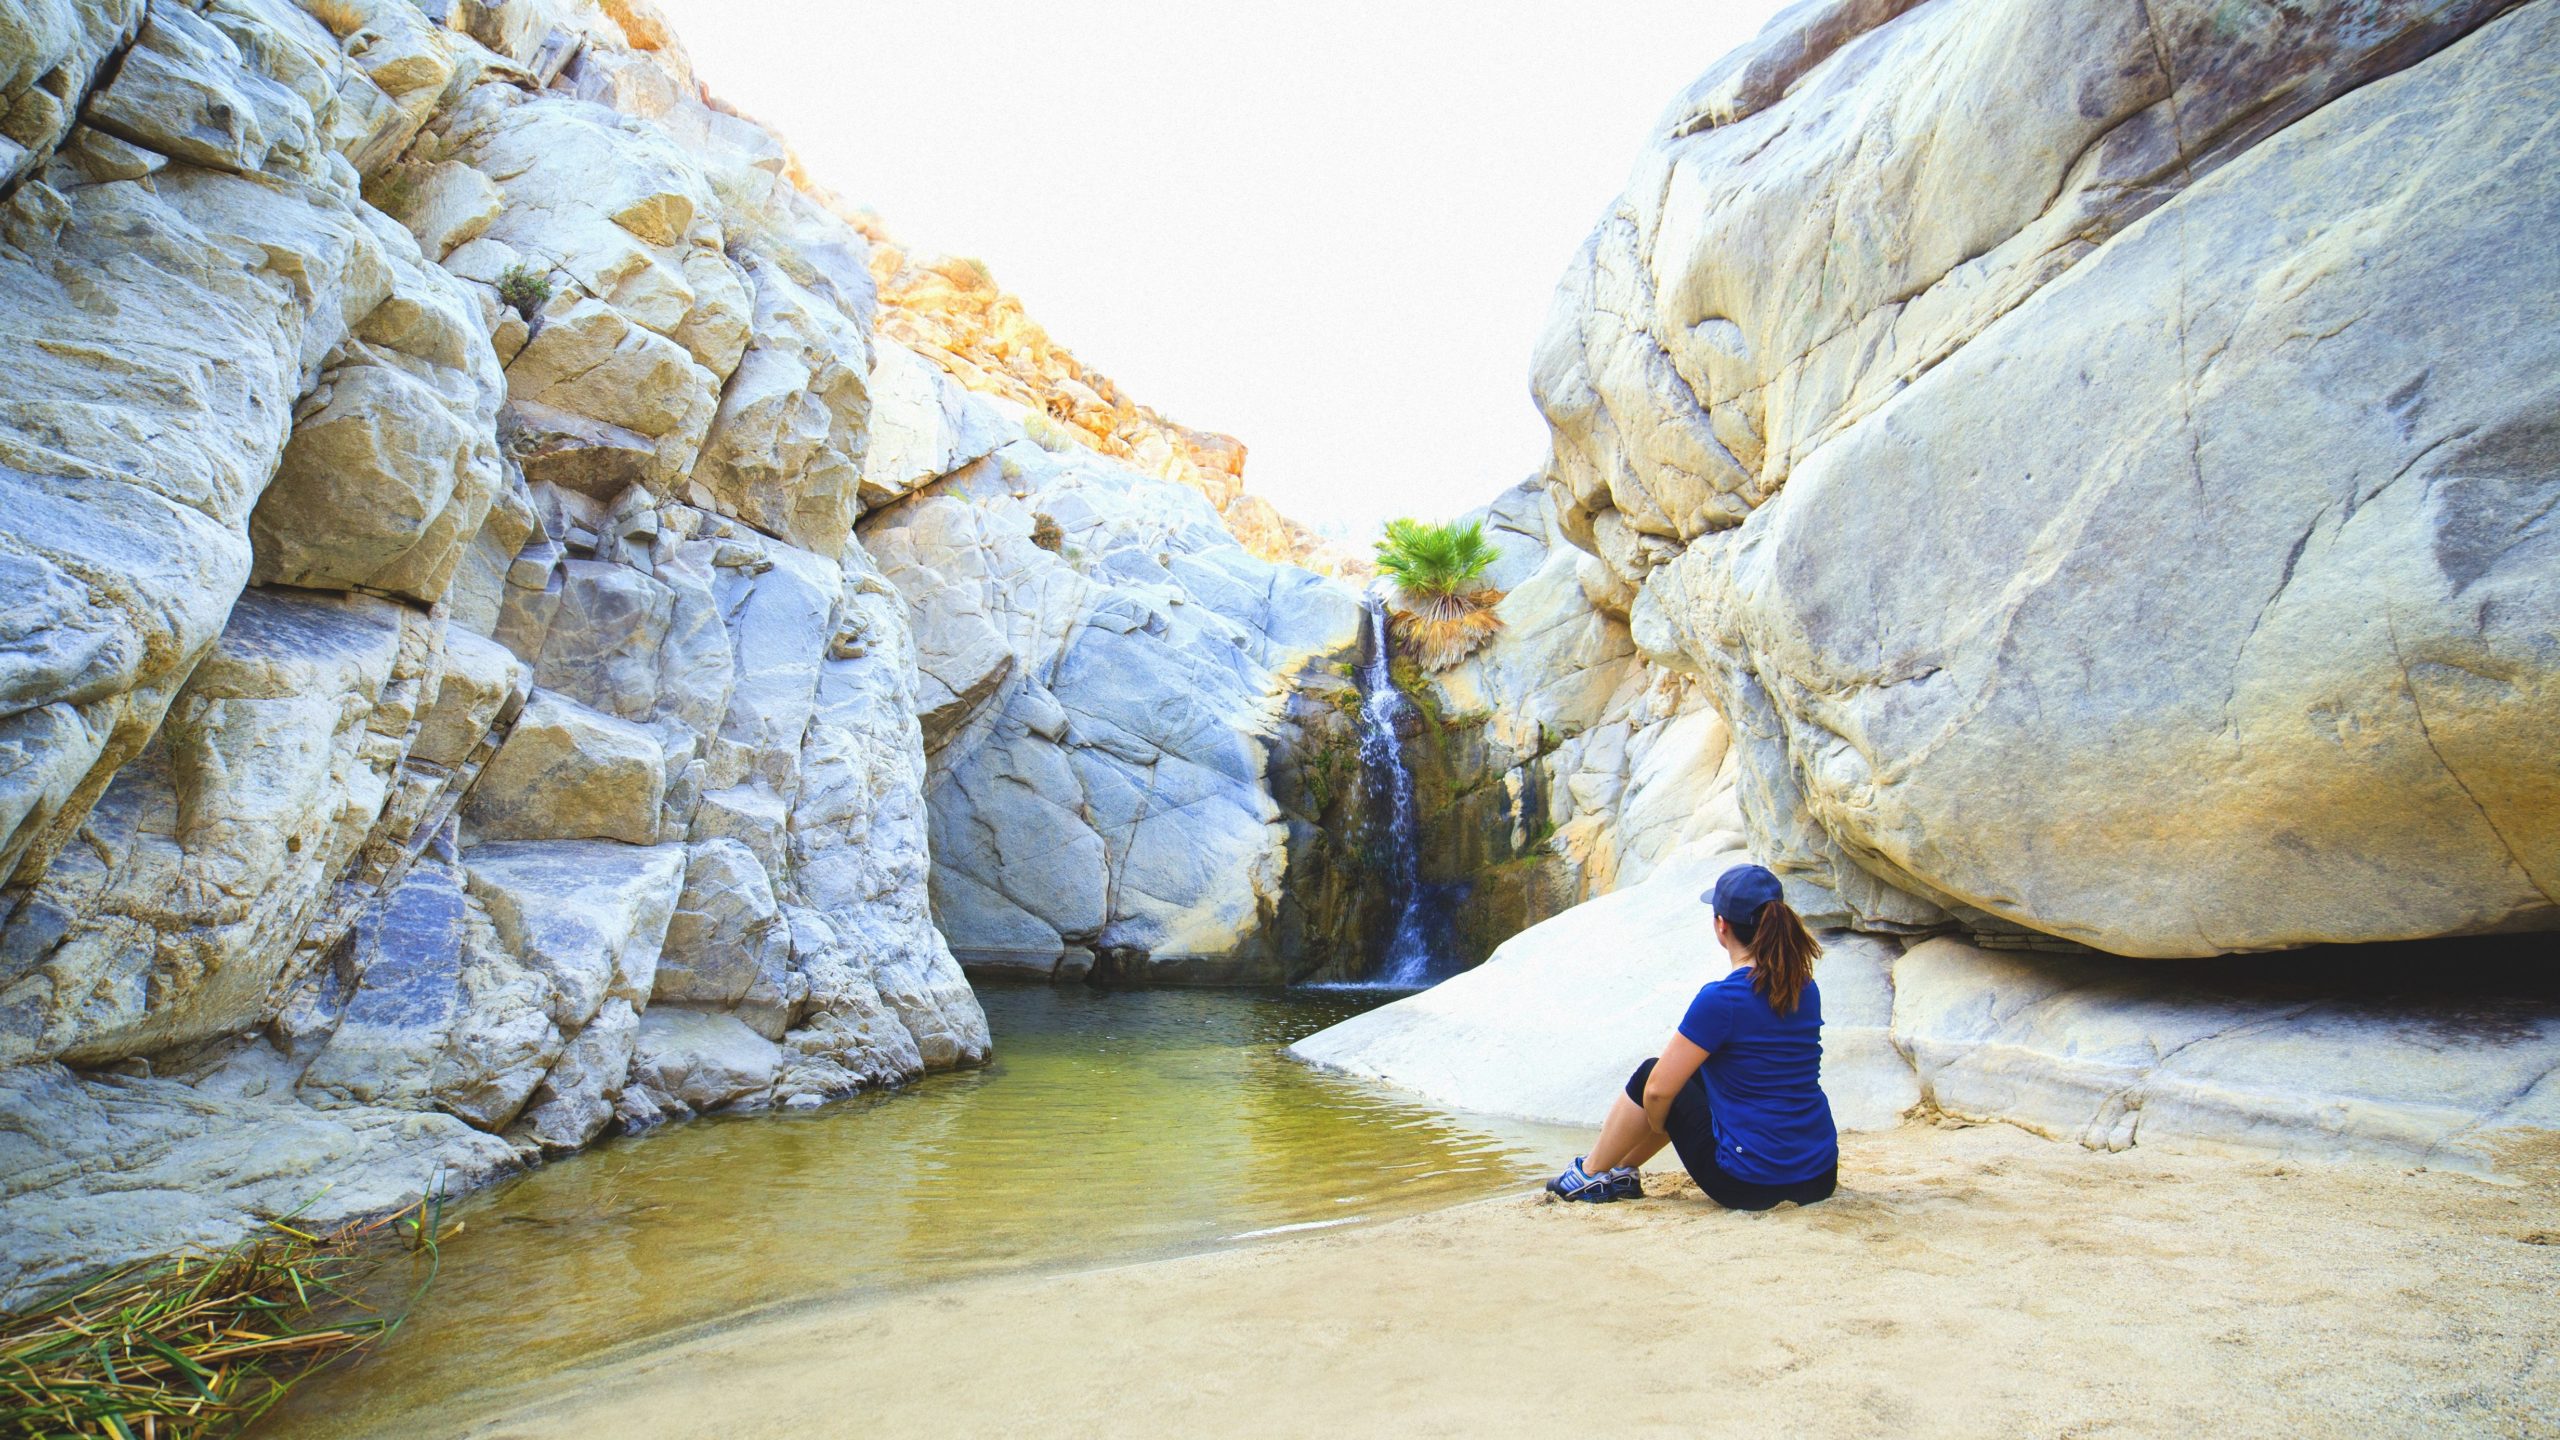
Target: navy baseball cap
1739	894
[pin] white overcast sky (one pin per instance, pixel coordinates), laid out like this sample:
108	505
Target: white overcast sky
1328	228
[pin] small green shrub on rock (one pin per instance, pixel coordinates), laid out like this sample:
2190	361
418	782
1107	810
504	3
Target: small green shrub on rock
523	289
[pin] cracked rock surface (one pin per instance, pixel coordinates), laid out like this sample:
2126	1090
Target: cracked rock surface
436	724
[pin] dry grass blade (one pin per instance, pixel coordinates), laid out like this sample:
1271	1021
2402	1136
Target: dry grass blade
193	1346
1444	632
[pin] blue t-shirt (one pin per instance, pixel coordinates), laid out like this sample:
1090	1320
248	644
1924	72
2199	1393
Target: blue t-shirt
1764	1081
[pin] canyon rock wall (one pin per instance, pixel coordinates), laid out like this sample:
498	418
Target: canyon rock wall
444	708
1108	677
2100	458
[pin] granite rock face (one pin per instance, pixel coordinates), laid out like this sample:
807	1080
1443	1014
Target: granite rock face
1105	671
444	704
2059	437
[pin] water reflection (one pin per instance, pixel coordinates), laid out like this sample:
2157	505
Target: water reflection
1110	1127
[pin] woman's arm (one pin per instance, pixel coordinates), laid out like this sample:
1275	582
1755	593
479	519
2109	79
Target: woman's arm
1680	1060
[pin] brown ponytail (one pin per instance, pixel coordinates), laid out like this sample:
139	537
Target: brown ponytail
1782	953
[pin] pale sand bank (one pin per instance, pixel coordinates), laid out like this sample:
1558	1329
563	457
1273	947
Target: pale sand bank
1973	1282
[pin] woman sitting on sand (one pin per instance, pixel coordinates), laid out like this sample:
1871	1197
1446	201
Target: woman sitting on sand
1738	1090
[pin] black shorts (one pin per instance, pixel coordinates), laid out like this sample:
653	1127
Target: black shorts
1693	1135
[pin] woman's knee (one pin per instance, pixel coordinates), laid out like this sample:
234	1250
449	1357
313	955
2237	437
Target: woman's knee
1635	1082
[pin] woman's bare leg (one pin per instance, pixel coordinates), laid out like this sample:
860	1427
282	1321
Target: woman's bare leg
1625	1139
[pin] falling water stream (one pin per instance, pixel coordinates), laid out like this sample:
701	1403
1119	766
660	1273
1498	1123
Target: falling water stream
1407	961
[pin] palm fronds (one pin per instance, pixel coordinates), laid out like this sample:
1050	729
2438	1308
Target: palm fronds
192	1346
1432	565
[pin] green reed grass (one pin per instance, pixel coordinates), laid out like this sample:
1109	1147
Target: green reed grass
192	1347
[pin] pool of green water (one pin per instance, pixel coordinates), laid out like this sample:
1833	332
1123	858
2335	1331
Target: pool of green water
1109	1127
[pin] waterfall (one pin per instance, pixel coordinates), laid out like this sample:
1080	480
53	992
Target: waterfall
1407	961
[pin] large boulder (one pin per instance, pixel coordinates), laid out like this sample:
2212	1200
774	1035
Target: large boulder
2100	520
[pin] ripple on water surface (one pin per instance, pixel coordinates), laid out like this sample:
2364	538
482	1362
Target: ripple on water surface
1111	1126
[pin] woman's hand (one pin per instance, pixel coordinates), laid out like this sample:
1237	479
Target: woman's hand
1680	1060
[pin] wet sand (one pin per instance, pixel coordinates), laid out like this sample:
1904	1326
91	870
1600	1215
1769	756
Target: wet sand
1965	1282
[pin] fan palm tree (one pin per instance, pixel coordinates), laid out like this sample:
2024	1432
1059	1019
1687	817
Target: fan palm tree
1438	574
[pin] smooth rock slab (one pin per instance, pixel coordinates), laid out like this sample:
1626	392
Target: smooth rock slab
100	1170
2097	1052
2145	543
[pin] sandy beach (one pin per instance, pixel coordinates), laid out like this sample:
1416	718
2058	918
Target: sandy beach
1965	1282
